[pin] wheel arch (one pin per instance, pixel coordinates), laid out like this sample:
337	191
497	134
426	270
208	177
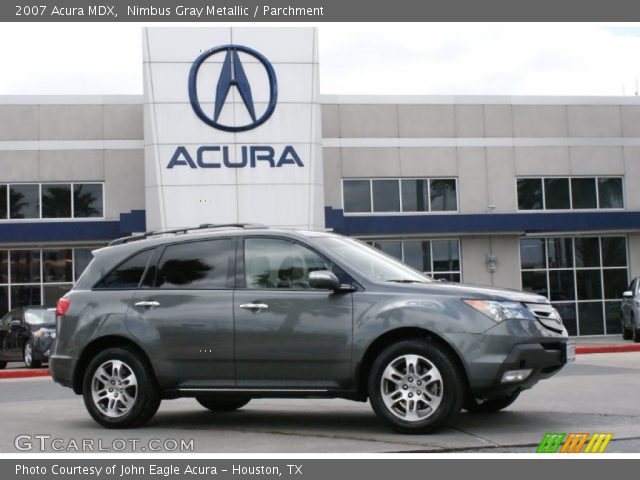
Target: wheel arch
96	346
397	335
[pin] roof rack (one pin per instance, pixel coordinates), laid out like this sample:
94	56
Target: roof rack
182	231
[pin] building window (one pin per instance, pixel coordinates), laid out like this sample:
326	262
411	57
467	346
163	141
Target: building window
357	196
565	193
584	278
20	201
24	201
87	200
56	200
438	258
393	195
39	276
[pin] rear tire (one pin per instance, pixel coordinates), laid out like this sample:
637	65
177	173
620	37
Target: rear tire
493	405
226	403
636	334
28	355
3	365
119	389
415	387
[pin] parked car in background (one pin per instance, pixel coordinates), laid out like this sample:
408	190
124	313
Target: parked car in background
631	311
26	334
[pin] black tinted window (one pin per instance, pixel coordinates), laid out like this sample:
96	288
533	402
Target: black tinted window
529	193
3	201
87	200
197	265
128	274
56	200
24	201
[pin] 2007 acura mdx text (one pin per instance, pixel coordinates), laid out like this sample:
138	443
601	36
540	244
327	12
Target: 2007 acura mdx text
227	313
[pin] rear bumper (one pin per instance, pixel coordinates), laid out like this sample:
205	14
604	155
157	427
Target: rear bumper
61	368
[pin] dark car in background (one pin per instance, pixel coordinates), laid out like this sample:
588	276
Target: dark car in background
26	334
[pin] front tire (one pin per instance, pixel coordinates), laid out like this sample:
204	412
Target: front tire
414	387
119	389
28	356
225	403
3	365
492	405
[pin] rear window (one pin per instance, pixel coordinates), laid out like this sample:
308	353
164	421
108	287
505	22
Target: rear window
128	274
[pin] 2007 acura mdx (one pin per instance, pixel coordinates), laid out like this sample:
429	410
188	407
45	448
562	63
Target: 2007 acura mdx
227	313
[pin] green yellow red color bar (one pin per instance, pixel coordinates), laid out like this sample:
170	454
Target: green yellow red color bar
574	443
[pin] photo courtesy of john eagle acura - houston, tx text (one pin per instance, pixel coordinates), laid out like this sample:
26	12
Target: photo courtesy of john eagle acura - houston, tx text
232	235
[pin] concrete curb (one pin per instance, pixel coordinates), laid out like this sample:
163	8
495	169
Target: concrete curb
35	372
585	349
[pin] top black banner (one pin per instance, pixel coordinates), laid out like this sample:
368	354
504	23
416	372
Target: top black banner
226	11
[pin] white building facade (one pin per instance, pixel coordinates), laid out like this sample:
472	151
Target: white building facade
534	193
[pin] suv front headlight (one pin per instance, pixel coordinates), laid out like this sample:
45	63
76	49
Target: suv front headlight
501	310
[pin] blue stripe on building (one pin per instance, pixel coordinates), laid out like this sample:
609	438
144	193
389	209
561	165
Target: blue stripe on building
514	223
73	231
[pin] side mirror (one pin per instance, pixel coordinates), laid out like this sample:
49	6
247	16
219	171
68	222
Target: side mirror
628	294
324	279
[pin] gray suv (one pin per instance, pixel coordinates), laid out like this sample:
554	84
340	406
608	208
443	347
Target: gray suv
227	313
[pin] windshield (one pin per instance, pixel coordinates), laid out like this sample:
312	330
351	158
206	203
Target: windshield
40	317
370	261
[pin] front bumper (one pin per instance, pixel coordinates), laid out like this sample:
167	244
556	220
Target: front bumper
543	360
42	348
510	345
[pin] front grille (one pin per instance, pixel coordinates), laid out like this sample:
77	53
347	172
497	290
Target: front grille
547	316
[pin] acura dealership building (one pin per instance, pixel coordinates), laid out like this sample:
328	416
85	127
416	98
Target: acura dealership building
533	193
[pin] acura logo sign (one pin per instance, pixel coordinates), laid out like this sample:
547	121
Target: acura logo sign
232	75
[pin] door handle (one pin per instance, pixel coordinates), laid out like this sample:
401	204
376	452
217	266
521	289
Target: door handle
147	304
258	307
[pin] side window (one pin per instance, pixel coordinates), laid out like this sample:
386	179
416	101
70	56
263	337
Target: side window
197	265
128	273
275	263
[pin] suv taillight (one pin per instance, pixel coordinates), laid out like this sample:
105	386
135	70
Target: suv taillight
62	307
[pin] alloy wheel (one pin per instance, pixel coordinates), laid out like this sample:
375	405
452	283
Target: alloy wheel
411	387
114	388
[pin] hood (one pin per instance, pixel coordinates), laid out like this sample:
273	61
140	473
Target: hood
461	290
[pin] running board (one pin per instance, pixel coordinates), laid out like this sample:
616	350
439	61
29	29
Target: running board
256	390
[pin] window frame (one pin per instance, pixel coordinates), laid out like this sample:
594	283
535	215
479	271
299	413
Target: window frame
40	218
544	208
95	288
432	273
576	301
156	257
402	211
241	274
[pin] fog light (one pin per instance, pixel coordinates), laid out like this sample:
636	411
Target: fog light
511	376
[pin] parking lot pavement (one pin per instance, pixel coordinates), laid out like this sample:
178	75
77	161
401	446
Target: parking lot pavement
597	393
